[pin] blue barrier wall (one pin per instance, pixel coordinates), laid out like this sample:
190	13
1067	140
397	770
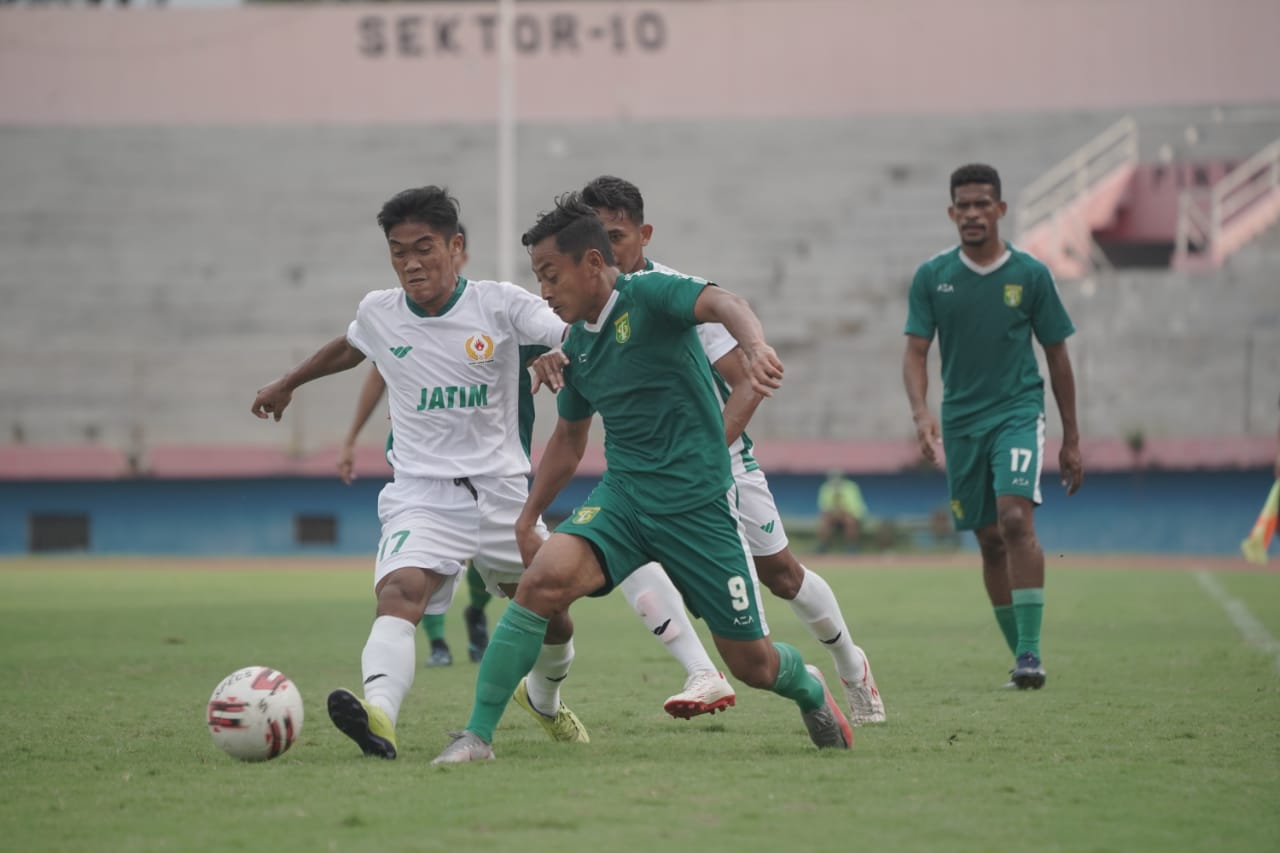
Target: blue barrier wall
1202	512
1159	512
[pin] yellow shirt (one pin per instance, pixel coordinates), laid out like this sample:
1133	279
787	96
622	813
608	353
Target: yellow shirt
841	495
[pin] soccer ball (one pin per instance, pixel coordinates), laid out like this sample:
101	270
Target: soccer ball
255	713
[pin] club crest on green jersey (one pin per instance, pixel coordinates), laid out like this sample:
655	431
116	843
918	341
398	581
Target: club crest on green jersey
1013	295
622	328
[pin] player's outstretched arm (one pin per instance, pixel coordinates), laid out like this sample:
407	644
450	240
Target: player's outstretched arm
370	394
915	379
1063	381
560	460
743	399
717	305
333	357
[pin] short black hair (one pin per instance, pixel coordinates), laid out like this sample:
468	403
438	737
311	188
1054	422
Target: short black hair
575	226
975	173
613	193
431	206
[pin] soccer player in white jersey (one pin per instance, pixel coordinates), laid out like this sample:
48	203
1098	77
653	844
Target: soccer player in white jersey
432	624
621	207
448	349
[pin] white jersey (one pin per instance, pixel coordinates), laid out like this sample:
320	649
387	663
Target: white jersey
717	343
453	378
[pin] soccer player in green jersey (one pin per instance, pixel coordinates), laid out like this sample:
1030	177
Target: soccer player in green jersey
667	492
985	300
620	206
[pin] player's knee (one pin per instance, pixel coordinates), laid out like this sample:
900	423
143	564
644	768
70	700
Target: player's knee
543	590
1015	523
403	593
989	538
781	573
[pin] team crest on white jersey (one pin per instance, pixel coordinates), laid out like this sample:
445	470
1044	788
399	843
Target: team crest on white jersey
479	348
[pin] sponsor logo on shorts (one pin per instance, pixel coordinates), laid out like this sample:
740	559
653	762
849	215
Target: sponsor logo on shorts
957	510
768	528
401	352
585	514
744	619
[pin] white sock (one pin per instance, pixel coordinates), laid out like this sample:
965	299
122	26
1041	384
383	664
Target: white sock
549	670
388	663
817	607
655	598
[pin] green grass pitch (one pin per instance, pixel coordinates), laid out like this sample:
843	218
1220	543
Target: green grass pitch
1159	728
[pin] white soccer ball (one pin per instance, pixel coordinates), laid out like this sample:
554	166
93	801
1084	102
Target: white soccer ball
255	713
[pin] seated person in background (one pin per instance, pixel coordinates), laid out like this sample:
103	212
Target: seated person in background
842	509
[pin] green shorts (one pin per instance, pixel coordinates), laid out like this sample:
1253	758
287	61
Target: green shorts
701	550
1004	460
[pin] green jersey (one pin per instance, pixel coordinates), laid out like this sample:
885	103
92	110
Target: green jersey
640	366
717	343
984	318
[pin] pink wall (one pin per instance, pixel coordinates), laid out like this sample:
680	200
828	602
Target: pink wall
81	462
437	62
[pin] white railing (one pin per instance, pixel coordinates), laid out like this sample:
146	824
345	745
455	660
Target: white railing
1205	214
1115	147
1195	228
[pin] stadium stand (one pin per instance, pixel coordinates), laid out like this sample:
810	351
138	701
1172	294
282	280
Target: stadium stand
153	277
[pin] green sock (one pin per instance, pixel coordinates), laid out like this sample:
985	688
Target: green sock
794	681
475	587
1008	625
434	626
513	650
1028	609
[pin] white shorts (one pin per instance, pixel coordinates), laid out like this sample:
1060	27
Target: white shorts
759	514
440	524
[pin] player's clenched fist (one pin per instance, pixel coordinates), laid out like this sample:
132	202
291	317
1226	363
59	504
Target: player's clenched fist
272	400
766	370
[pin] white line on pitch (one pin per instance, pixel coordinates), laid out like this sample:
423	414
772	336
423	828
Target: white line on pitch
1253	631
